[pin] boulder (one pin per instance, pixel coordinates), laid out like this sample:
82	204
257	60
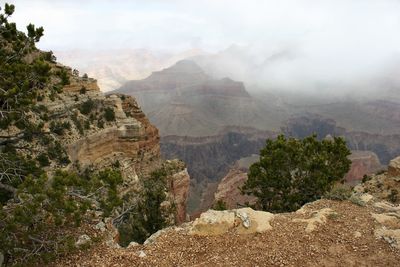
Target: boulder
394	167
133	244
83	240
243	221
101	226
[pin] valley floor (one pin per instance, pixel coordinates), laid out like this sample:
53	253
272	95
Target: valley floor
345	237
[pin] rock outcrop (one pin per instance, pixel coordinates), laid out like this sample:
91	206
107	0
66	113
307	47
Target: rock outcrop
394	167
228	190
362	163
210	158
242	221
111	130
179	189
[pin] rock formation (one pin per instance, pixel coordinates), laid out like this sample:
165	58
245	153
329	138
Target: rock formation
210	158
126	138
362	163
394	167
183	100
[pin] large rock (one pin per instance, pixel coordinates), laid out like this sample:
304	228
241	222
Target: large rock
242	221
228	189
394	167
179	188
362	163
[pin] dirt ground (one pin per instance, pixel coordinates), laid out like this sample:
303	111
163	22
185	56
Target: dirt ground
346	239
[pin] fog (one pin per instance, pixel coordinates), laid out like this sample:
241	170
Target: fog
341	46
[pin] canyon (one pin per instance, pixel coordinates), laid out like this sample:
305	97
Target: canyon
210	123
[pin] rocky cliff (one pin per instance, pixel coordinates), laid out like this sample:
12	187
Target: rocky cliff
106	131
362	163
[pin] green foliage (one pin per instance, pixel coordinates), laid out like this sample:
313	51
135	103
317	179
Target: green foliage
380	172
109	114
220	205
20	80
58	127
292	172
63	74
57	152
78	124
393	196
43	160
357	200
87	106
83	90
339	192
146	217
366	178
46	207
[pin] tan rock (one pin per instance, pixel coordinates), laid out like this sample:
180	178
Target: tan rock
228	189
243	221
317	217
394	167
392	236
179	187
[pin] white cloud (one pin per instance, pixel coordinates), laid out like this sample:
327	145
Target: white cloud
333	39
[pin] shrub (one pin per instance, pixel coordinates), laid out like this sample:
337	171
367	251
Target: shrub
63	74
339	192
87	106
146	217
109	114
292	172
57	152
100	124
43	160
83	90
78	124
219	205
357	200
59	127
366	178
34	228
393	196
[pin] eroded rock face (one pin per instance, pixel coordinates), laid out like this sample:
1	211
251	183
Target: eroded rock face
228	189
131	138
362	163
124	138
394	167
179	187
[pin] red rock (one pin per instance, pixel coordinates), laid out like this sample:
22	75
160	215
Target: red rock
363	163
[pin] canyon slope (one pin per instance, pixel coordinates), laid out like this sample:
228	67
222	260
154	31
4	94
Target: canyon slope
184	100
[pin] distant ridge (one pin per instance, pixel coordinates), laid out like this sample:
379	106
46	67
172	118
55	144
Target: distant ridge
184	100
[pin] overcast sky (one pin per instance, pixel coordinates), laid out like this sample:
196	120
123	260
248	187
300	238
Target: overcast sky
346	37
353	24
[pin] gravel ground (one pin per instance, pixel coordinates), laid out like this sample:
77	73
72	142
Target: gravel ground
346	239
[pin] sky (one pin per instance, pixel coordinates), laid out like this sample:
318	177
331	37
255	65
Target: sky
332	38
